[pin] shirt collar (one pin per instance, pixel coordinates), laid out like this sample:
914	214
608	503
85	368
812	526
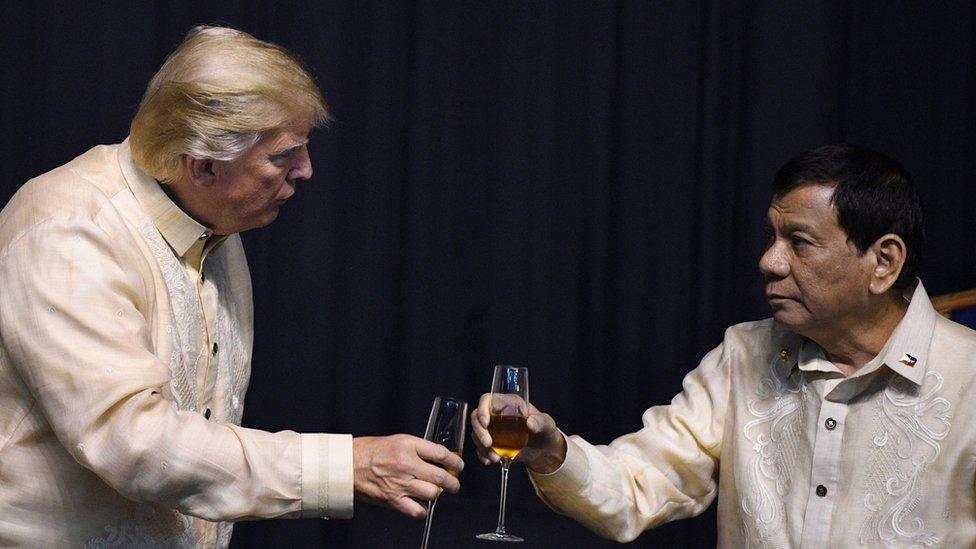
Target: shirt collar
179	229
906	351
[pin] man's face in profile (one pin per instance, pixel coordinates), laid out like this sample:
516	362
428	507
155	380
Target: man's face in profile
247	192
817	282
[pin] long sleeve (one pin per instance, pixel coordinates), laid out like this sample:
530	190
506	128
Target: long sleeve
73	321
666	471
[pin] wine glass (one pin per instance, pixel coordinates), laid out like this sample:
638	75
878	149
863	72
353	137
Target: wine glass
509	411
445	426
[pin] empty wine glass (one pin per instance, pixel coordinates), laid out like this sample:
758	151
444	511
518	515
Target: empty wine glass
445	426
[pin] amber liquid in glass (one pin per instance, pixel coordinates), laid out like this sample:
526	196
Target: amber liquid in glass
509	435
452	472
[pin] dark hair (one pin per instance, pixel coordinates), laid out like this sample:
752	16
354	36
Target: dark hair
873	194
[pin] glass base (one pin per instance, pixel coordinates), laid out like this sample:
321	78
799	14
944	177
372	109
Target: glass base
495	536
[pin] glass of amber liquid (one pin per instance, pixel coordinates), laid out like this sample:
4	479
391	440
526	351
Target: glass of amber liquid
445	426
509	434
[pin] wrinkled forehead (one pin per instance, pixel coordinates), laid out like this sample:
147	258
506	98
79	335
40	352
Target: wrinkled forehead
810	204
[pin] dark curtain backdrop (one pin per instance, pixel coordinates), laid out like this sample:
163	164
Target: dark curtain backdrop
572	186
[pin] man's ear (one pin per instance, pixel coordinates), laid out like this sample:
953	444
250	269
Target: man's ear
890	254
200	171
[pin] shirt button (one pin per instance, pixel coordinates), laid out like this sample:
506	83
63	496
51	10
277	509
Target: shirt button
202	277
214	349
203	236
821	490
830	424
206	413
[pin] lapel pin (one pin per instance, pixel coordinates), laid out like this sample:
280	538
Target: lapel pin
908	360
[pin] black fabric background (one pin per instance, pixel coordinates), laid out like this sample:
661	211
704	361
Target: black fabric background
572	186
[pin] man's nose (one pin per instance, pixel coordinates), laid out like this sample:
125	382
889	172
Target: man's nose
773	263
303	166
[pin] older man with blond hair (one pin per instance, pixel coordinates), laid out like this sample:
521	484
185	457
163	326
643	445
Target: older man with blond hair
126	325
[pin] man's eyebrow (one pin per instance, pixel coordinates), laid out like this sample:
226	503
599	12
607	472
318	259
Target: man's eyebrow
787	227
289	147
794	226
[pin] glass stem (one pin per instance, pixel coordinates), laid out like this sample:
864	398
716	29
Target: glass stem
500	529
427	522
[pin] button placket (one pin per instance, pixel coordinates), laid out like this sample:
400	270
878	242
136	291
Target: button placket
195	263
828	436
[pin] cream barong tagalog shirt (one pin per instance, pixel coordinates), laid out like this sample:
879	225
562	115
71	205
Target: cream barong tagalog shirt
125	352
798	454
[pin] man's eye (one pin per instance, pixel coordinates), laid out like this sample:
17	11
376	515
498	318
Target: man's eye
797	241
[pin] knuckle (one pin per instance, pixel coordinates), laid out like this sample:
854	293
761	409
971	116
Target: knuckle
443	453
400	439
444	479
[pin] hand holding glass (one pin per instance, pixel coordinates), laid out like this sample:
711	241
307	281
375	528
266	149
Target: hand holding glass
445	426
509	409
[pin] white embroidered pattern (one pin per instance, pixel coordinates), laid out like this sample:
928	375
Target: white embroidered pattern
911	422
156	527
776	434
189	327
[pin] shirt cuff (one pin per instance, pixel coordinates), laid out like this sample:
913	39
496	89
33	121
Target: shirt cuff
326	476
570	477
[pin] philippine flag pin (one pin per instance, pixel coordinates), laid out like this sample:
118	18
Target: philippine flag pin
908	360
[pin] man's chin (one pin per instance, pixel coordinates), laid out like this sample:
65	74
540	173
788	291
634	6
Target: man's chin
799	326
784	319
265	219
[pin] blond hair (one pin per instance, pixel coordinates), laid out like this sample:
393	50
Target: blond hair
213	97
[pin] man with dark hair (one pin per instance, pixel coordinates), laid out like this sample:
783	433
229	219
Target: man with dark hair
842	421
873	195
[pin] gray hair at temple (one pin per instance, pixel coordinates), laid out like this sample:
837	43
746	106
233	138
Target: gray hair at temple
215	95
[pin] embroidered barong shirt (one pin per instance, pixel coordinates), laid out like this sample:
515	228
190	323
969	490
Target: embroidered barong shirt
798	454
125	353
